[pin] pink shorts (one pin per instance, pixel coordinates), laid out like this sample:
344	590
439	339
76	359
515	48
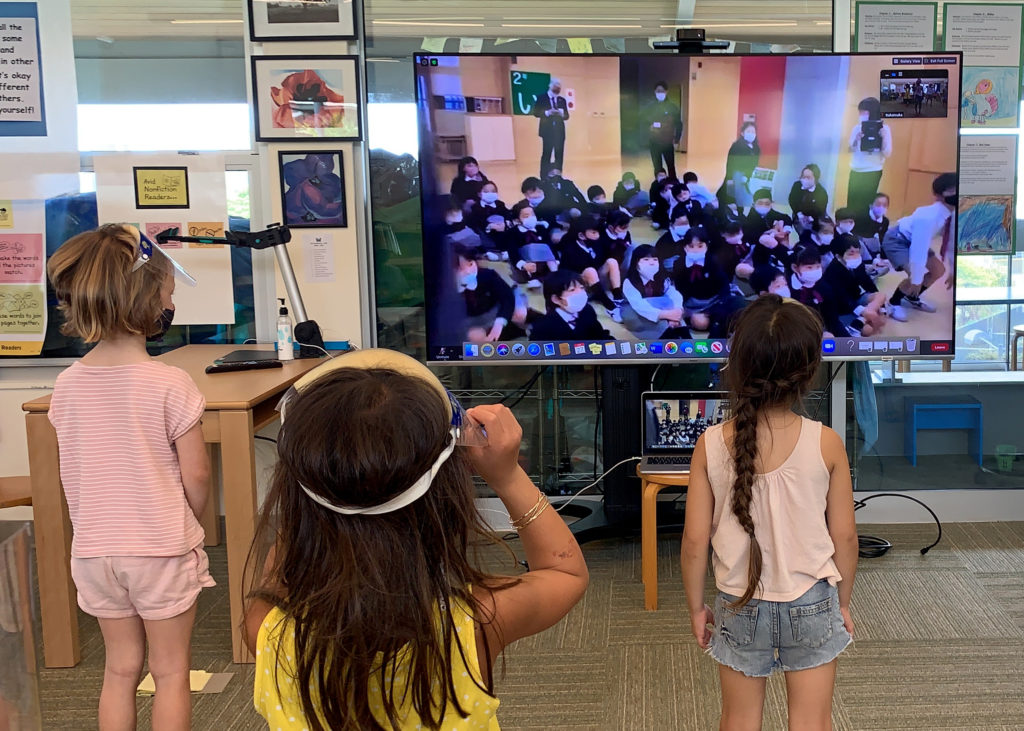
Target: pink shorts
151	587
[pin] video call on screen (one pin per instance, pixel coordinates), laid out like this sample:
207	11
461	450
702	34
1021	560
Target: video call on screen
548	234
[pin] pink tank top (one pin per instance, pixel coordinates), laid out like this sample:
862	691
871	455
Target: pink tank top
788	509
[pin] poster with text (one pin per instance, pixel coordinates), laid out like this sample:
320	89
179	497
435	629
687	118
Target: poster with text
22	279
21	72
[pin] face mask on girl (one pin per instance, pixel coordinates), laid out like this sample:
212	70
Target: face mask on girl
695	259
648	269
468	280
749	135
734	241
878	211
489	196
166	318
576	301
660	96
762	210
599	201
806	183
782	291
628	185
809	277
863	116
845	227
535	200
853	263
680	231
529	222
825	239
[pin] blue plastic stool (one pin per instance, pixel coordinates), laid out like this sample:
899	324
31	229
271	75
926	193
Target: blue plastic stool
940	412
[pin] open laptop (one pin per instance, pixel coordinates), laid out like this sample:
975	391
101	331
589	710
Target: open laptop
672	423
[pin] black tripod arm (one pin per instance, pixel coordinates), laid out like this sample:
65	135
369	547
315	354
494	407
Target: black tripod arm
275	235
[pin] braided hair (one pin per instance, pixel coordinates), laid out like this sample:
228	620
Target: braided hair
774	357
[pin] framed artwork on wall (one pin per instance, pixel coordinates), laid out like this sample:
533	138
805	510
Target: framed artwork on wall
301	20
313	188
306	98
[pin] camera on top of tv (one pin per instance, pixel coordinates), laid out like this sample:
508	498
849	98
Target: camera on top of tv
871	135
691	41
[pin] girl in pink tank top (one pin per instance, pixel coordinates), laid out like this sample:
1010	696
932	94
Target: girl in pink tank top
770	493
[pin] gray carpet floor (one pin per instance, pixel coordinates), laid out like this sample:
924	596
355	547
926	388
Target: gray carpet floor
940	645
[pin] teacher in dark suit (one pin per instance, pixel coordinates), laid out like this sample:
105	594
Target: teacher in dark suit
665	126
552	110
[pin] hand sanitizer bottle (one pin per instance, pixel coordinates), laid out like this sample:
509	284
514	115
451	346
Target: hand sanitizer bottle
285	345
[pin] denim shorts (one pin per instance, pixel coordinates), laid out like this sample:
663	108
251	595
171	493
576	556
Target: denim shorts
763	636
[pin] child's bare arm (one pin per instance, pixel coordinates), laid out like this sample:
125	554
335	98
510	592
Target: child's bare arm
558	575
194	463
842	526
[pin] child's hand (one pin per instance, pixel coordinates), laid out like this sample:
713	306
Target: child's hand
498	461
673	315
847	619
530	268
699	622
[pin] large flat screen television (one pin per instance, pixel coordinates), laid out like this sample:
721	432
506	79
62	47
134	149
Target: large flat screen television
548	234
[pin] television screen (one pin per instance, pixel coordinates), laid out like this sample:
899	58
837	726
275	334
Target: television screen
626	208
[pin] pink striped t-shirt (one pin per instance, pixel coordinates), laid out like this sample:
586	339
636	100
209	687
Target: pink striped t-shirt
116	427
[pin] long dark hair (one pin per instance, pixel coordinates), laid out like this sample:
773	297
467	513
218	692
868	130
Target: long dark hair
645	251
364	591
469	160
774	356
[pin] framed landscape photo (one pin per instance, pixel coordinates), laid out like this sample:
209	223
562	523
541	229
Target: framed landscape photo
306	98
313	188
301	20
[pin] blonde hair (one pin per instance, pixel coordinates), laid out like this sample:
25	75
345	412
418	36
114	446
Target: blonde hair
98	292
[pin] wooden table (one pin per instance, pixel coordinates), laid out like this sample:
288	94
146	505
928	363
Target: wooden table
652	484
238	404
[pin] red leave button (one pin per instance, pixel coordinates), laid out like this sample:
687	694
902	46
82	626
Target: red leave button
940	347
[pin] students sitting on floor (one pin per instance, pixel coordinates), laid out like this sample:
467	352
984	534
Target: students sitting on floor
670	246
654	307
808	287
699	191
544	206
769	280
529	247
690	205
857	300
762	217
629	196
582	252
616	238
706	290
346	635
569	315
871	227
494	310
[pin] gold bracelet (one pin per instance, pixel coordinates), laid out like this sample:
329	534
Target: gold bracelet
529	513
543	507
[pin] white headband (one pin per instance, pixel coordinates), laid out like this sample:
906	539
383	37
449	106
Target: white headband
399	501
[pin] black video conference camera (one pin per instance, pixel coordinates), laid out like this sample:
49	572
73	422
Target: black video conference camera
691	41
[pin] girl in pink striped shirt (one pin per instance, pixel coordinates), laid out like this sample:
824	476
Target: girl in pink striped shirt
134	469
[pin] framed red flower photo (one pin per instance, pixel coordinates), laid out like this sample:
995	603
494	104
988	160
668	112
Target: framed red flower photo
313	188
306	98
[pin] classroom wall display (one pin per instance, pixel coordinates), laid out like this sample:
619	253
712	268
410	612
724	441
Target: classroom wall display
306	98
313	188
985	224
896	26
211	301
301	20
22	279
991	96
165	187
530	275
21	72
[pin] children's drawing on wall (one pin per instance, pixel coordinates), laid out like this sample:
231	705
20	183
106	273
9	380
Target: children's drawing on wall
985	224
991	97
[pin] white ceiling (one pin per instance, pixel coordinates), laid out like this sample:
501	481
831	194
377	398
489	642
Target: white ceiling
741	19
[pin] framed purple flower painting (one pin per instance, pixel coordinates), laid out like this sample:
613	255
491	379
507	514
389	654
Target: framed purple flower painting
313	189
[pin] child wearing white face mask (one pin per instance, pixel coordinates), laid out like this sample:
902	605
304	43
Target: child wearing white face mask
662	204
706	291
744	155
808	196
734	254
529	247
807	287
858	302
616	238
490	218
871	227
763	217
769	280
569	316
629	196
654	307
820	235
494	311
670	246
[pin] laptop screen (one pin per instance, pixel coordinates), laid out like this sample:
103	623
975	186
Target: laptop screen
673	422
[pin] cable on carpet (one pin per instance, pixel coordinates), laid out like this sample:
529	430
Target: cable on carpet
875	547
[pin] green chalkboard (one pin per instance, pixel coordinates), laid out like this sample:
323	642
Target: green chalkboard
526	87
